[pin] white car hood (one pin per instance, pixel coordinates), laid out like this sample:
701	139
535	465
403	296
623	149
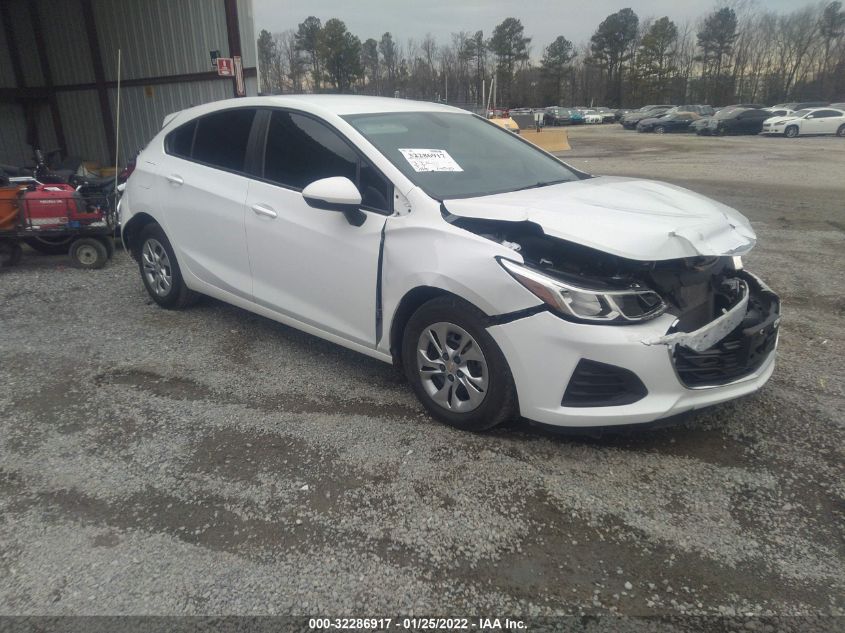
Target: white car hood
636	219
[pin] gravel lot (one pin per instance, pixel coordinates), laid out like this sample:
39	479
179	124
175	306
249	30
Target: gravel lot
214	462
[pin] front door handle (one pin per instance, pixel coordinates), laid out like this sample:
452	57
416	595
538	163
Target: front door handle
263	209
175	179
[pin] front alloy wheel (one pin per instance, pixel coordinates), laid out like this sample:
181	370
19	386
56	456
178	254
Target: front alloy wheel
791	132
456	368
452	367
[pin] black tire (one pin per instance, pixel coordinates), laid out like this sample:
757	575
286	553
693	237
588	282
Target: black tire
841	131
10	254
659	129
791	131
177	295
108	242
89	253
499	403
50	245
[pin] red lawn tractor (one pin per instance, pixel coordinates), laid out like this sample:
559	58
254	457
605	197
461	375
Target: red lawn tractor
55	215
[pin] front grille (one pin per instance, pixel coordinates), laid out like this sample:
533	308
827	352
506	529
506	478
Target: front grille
734	357
595	384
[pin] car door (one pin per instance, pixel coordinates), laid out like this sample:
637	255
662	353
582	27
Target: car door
203	189
307	263
746	121
823	122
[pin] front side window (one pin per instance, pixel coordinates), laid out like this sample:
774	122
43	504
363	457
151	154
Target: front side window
454	155
300	150
221	138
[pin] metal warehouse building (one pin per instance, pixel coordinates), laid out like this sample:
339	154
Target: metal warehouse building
59	70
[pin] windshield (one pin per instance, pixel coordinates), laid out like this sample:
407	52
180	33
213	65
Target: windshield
801	113
453	155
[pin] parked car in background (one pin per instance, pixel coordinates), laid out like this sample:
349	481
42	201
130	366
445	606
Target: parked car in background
673	122
800	105
700	125
607	115
630	120
556	115
561	297
753	106
593	116
575	117
807	122
700	110
618	114
737	121
838	106
780	112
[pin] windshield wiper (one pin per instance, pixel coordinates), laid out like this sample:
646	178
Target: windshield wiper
542	183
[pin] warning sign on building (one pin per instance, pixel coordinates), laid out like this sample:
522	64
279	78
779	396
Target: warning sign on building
225	67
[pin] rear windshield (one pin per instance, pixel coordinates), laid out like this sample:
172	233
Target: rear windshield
453	155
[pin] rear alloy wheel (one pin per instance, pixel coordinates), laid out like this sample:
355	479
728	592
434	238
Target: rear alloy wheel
659	129
791	131
160	270
841	131
89	253
455	367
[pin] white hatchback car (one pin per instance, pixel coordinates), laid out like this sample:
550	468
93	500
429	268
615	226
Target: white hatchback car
805	122
502	281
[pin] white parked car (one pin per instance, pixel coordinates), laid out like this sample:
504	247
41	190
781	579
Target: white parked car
593	116
501	280
805	122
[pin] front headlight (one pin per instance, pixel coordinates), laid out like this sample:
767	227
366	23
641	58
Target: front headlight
585	304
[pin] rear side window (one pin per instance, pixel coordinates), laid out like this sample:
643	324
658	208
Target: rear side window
300	150
181	140
221	139
824	114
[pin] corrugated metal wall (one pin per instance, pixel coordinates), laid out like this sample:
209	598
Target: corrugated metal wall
13	145
157	38
19	13
7	76
80	111
160	37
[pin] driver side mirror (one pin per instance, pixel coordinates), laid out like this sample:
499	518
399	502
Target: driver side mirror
336	194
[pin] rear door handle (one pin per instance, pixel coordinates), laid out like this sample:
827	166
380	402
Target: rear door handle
176	180
263	209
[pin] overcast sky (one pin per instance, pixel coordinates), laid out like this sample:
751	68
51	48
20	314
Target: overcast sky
543	20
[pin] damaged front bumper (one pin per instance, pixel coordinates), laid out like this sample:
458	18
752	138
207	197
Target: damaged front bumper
673	372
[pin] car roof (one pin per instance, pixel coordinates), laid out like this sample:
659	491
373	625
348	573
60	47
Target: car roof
325	106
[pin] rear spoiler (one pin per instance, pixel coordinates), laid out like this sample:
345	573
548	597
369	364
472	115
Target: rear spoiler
169	118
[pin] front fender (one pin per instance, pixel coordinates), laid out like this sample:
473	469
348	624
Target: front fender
450	259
